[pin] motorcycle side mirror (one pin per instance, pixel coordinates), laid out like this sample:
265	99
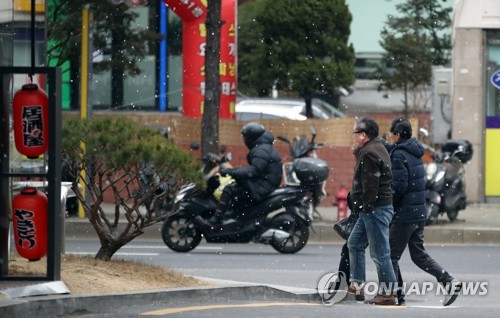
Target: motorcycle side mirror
223	149
282	138
423	132
313	131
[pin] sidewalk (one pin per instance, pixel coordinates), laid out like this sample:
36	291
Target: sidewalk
478	224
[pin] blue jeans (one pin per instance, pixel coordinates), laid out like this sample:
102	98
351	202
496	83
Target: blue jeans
372	229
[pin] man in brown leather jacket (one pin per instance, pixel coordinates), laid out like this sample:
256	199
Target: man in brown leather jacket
371	196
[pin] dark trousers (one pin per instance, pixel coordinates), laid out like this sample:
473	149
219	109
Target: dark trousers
343	265
412	235
344	261
233	194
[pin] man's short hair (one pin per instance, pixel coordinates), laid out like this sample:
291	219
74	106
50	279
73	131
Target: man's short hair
401	126
368	126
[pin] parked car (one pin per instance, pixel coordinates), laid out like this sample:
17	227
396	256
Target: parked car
294	109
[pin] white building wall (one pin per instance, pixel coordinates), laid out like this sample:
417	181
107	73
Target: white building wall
471	18
468	104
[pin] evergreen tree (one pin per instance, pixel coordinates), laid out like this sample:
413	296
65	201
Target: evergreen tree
414	42
111	156
300	46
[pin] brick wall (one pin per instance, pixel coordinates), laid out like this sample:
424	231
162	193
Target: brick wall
183	130
335	134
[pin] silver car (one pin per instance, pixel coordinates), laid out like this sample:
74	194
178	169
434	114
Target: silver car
293	109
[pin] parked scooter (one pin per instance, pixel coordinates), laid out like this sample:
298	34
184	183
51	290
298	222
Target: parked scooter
445	181
264	222
301	147
163	200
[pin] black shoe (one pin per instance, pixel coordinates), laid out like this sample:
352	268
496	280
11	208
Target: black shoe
401	302
453	288
216	219
207	223
199	220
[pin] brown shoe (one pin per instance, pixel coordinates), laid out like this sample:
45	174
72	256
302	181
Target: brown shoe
358	293
382	299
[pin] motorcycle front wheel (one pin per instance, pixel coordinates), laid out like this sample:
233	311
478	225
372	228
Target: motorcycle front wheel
299	235
432	212
180	234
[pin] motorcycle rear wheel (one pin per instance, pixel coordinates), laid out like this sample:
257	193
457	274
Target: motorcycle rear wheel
299	235
180	234
432	212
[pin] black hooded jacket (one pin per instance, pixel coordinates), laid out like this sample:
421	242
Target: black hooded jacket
264	171
408	183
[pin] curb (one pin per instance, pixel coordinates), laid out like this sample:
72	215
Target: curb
323	233
440	235
66	305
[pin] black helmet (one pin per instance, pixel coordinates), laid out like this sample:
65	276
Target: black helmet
251	132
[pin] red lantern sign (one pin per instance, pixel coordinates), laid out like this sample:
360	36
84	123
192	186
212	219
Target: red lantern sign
29	216
31	121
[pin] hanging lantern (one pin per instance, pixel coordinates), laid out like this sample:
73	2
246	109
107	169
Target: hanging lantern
31	120
29	216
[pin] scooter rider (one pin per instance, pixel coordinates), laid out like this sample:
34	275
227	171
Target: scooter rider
253	182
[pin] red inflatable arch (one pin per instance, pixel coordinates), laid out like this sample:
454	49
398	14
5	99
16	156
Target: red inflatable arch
193	15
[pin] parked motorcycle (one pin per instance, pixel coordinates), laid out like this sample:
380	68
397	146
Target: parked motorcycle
287	231
301	147
445	181
162	200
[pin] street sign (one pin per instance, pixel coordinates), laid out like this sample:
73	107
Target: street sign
495	79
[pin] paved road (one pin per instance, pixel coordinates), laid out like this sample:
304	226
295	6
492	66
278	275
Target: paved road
260	264
295	310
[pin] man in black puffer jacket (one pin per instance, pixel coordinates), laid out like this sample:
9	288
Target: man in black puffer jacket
407	228
255	181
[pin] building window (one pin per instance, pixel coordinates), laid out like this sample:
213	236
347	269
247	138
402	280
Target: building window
493	73
366	65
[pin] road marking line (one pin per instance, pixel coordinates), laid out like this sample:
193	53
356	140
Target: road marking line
209	248
164	247
208	307
392	307
137	254
435	307
118	254
145	246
